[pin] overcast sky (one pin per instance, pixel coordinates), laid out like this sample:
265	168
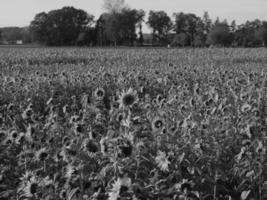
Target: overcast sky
21	12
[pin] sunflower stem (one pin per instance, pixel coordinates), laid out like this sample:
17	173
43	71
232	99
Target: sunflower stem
44	167
215	186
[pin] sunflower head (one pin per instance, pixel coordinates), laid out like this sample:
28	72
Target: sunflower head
42	154
159	98
66	141
128	98
31	188
14	134
162	161
120	117
126	149
157	124
99	94
79	128
186	185
10	106
2	136
91	146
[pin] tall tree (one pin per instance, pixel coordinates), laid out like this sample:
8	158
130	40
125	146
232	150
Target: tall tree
114	6
233	26
119	28
261	33
188	24
161	24
246	34
220	34
60	27
207	23
1	37
39	27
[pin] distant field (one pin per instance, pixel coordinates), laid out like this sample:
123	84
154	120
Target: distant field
134	123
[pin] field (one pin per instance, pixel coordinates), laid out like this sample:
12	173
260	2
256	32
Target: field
181	124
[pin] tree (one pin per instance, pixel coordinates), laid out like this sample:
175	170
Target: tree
247	34
119	27
220	34
161	24
180	39
60	27
39	27
101	29
233	26
1	37
12	34
261	33
190	25
114	6
207	23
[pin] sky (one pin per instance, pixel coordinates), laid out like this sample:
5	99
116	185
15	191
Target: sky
21	12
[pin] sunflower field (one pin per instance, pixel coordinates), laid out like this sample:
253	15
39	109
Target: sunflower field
133	124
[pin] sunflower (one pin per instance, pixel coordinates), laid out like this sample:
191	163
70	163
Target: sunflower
70	170
21	138
157	124
119	186
99	94
90	146
126	149
42	154
114	193
10	106
185	186
79	128
147	106
245	108
66	141
14	134
31	187
104	145
120	117
162	161
2	136
128	98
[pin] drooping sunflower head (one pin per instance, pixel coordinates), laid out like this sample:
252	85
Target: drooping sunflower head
128	98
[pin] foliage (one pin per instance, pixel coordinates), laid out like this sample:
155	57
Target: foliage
121	25
189	25
220	35
119	28
133	124
12	34
161	24
60	27
246	34
114	6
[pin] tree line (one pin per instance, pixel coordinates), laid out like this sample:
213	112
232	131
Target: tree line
122	25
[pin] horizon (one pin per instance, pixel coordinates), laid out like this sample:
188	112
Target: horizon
239	10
